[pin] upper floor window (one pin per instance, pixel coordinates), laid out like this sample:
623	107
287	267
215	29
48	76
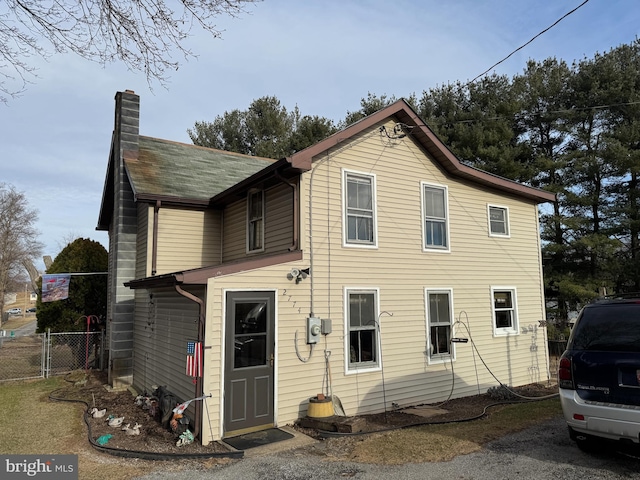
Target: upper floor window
505	311
362	340
359	209
255	221
439	324
498	221
435	225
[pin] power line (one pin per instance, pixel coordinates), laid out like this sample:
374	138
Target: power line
521	115
549	112
524	45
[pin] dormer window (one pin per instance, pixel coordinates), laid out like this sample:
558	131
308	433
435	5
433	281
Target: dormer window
255	221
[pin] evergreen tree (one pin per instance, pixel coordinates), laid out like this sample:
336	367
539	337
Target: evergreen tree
87	293
622	152
368	106
265	129
478	123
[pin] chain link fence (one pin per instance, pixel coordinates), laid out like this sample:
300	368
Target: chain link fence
42	355
22	357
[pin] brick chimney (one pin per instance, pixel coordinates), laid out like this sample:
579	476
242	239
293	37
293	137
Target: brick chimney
127	122
122	241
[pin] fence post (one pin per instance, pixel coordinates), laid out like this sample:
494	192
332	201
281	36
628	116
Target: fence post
48	357
101	350
43	352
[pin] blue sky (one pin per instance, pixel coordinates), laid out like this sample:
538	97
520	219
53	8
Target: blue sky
323	56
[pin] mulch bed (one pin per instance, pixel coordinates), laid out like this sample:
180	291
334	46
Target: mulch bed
156	439
454	410
468	407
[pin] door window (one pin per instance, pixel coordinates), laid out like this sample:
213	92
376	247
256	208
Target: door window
250	336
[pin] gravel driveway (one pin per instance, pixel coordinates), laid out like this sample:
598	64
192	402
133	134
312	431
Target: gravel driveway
542	452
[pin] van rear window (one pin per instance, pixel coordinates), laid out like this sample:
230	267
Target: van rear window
608	327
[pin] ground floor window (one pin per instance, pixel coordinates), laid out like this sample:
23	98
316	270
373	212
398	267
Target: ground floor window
362	342
439	323
505	313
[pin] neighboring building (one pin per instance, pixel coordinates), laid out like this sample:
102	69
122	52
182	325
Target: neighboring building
377	244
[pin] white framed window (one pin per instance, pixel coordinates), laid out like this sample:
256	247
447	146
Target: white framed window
439	308
362	340
498	218
435	217
359	209
255	221
504	307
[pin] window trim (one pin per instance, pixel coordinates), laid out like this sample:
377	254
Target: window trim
349	370
445	189
506	221
250	195
505	331
346	173
439	358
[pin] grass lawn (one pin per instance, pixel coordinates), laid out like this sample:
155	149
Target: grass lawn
17	321
441	443
33	424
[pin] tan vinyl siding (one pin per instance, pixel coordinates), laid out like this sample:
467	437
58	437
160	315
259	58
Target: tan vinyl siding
278	225
187	239
234	227
163	325
278	219
401	270
143	247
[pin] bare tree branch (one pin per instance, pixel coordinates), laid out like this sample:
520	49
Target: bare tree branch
143	34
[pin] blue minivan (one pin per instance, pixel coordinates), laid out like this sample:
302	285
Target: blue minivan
599	374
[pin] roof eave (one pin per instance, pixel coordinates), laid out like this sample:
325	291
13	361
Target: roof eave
106	204
447	159
200	276
173	200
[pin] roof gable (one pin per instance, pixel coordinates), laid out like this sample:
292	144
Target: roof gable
413	125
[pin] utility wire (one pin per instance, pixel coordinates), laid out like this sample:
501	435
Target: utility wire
524	45
535	114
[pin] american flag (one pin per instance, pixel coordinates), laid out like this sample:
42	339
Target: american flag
194	359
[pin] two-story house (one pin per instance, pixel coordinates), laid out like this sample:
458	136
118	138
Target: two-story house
351	268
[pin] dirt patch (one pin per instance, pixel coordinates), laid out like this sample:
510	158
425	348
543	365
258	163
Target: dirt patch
153	437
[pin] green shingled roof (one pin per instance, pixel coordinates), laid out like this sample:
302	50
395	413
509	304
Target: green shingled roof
166	168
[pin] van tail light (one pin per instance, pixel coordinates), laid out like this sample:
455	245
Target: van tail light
565	378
